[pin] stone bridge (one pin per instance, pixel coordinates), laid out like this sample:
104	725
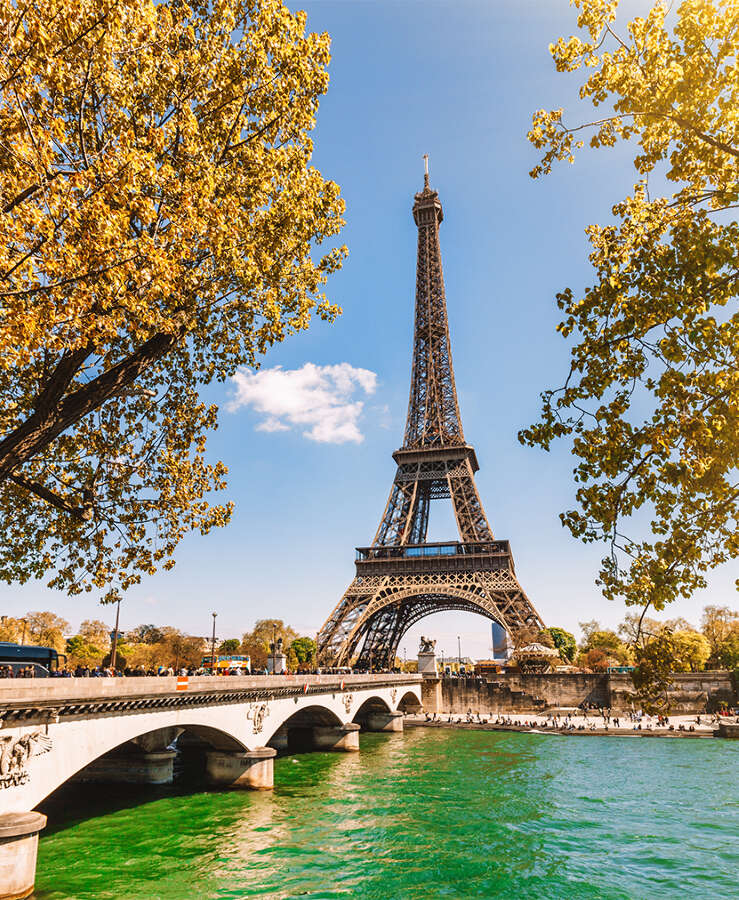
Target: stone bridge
130	729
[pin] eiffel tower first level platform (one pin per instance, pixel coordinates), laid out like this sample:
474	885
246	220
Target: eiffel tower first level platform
401	577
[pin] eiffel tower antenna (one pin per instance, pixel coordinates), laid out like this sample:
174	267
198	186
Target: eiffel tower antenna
426	170
402	577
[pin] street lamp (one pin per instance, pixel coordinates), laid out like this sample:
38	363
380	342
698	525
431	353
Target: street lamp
459	652
114	648
213	646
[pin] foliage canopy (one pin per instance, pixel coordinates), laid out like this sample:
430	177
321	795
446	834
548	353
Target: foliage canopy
158	221
651	401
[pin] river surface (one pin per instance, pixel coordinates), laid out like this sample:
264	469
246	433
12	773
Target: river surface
431	813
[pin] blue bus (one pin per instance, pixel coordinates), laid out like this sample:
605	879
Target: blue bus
44	660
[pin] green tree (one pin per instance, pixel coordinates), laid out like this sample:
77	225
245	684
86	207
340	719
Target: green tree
81	652
564	642
229	647
305	650
159	228
651	401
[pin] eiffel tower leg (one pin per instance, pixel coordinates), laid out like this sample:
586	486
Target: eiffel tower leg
468	511
516	610
345	626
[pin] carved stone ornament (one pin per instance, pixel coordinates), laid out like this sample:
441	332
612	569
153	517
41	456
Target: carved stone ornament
15	753
394	694
348	699
256	715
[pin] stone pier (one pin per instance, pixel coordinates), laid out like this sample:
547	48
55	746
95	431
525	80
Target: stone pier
336	737
130	768
18	847
251	770
384	721
431	698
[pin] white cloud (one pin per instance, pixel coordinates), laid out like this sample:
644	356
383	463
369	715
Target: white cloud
318	399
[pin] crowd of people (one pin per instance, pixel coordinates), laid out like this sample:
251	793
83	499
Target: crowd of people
637	720
34	671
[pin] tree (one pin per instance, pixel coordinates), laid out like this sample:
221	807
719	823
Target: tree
605	641
145	634
652	676
11	629
96	632
305	650
691	651
46	629
82	652
178	649
595	659
651	401
638	630
718	624
564	642
158	230
727	652
256	642
229	646
533	635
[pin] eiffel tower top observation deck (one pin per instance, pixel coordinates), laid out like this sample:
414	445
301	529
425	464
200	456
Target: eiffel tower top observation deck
401	577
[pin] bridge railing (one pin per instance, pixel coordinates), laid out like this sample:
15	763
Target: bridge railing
52	689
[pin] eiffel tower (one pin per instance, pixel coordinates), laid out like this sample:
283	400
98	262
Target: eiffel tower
401	578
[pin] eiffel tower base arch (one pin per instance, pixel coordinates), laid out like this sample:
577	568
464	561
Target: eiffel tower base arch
377	610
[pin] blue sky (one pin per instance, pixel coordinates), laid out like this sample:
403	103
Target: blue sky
457	79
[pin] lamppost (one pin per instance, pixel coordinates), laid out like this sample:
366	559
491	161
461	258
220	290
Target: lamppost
114	648
23	639
213	646
459	653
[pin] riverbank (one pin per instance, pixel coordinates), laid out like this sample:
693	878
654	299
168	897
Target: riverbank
577	726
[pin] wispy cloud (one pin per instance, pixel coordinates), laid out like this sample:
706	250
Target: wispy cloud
318	399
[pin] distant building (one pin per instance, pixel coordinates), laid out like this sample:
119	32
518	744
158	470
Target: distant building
502	646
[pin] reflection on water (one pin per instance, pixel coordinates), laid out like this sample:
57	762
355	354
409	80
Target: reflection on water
427	814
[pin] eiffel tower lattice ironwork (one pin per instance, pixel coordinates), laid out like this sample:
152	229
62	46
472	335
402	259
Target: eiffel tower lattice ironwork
401	578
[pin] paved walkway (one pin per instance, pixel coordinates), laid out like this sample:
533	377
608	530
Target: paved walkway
580	725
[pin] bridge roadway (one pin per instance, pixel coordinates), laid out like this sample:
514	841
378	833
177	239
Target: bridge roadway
129	729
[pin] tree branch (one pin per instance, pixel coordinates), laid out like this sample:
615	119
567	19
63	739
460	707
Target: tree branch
38	431
83	513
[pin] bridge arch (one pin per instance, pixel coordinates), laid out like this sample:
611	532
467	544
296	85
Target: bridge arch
372	706
409	703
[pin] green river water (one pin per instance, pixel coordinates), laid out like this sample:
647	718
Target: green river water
431	813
